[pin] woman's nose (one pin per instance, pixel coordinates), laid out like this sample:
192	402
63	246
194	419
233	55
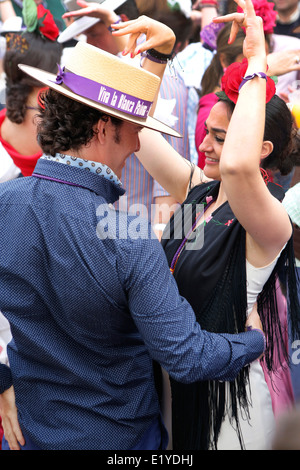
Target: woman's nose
205	144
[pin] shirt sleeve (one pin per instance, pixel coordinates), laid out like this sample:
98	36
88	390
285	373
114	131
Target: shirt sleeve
168	325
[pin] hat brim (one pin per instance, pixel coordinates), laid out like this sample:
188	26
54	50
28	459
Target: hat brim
76	28
48	80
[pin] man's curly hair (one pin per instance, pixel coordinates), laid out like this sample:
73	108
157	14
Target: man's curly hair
65	124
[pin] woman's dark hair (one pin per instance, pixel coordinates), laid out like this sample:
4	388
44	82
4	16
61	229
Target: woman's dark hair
182	26
213	73
65	124
129	8
30	49
280	131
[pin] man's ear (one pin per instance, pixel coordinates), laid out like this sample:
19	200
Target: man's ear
101	130
267	148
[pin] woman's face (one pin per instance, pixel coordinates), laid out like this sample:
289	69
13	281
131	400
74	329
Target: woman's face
216	128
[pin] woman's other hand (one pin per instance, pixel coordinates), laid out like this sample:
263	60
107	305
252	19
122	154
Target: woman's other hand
158	35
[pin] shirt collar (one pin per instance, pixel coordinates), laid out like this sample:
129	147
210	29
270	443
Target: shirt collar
70	175
95	167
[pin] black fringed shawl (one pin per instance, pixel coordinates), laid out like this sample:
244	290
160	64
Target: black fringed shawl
213	280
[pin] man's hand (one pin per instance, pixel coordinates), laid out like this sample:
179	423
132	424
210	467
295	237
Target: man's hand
9	415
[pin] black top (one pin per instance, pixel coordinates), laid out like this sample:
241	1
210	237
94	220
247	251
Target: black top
206	254
288	29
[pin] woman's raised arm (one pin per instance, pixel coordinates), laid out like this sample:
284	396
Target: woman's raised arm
262	216
173	172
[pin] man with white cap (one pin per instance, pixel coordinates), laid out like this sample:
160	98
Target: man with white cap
89	297
94	27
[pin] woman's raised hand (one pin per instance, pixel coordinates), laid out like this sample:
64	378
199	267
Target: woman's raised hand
254	44
158	35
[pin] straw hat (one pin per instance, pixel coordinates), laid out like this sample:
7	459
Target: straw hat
85	22
105	82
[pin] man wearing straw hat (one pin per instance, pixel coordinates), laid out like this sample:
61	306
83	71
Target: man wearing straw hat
90	303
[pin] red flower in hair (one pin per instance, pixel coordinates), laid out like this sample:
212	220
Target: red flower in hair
233	77
265	10
47	27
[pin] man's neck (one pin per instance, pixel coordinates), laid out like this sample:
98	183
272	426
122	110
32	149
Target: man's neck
290	15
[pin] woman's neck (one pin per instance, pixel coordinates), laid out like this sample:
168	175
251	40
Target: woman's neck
22	137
